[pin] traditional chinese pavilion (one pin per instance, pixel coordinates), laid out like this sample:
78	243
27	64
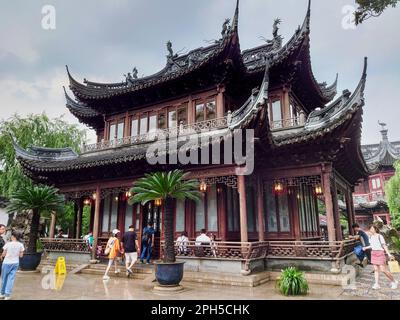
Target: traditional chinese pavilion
369	196
307	148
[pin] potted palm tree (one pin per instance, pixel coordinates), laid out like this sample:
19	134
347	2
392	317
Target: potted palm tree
166	186
36	199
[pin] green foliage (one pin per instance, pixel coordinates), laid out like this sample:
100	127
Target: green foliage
292	282
37	199
86	219
65	221
396	243
392	191
39	246
163	185
372	8
37	130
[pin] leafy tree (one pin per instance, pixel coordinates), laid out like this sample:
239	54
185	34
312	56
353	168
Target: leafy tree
36	130
38	199
392	190
372	8
166	186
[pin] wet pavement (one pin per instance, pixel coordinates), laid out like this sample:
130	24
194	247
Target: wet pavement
30	286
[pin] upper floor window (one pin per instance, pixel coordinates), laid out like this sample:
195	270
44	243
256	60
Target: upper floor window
205	110
275	114
117	130
376	183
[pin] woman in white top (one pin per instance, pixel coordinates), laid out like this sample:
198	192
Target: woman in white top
378	258
12	251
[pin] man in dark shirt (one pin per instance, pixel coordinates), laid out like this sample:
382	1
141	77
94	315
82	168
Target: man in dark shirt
363	237
130	247
147	242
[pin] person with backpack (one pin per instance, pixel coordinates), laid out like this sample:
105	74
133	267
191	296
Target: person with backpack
2	242
113	248
378	248
147	242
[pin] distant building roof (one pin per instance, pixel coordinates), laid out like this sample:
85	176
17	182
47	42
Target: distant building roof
384	154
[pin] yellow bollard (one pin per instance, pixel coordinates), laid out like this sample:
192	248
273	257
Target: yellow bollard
60	266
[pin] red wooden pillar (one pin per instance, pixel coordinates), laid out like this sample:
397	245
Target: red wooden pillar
244	237
96	221
73	235
260	209
336	213
79	219
330	220
222	221
349	210
294	213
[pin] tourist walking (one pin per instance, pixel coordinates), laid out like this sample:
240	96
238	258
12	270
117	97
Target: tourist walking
182	242
113	248
130	247
364	239
12	251
378	258
147	242
2	242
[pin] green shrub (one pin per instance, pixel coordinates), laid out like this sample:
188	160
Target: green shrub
292	282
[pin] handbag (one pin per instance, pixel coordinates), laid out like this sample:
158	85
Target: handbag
109	247
394	266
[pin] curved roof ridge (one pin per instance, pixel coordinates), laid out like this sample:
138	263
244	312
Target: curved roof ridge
43	153
320	118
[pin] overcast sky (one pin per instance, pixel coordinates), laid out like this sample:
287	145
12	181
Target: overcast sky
102	39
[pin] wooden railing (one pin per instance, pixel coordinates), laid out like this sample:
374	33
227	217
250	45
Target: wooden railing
239	251
152	136
287	123
65	245
322	250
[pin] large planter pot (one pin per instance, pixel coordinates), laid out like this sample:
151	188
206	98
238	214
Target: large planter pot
169	274
30	261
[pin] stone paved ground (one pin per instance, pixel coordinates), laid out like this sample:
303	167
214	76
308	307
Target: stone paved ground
364	287
84	287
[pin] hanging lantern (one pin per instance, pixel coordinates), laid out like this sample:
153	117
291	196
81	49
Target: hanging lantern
94	196
86	202
128	194
318	190
278	187
203	186
158	202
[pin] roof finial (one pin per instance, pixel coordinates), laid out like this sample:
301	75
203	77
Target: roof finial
384	131
235	21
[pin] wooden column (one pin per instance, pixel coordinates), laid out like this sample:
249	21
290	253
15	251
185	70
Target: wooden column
79	219
220	102
330	221
190	111
336	213
349	210
96	221
244	237
52	225
222	219
76	209
260	209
